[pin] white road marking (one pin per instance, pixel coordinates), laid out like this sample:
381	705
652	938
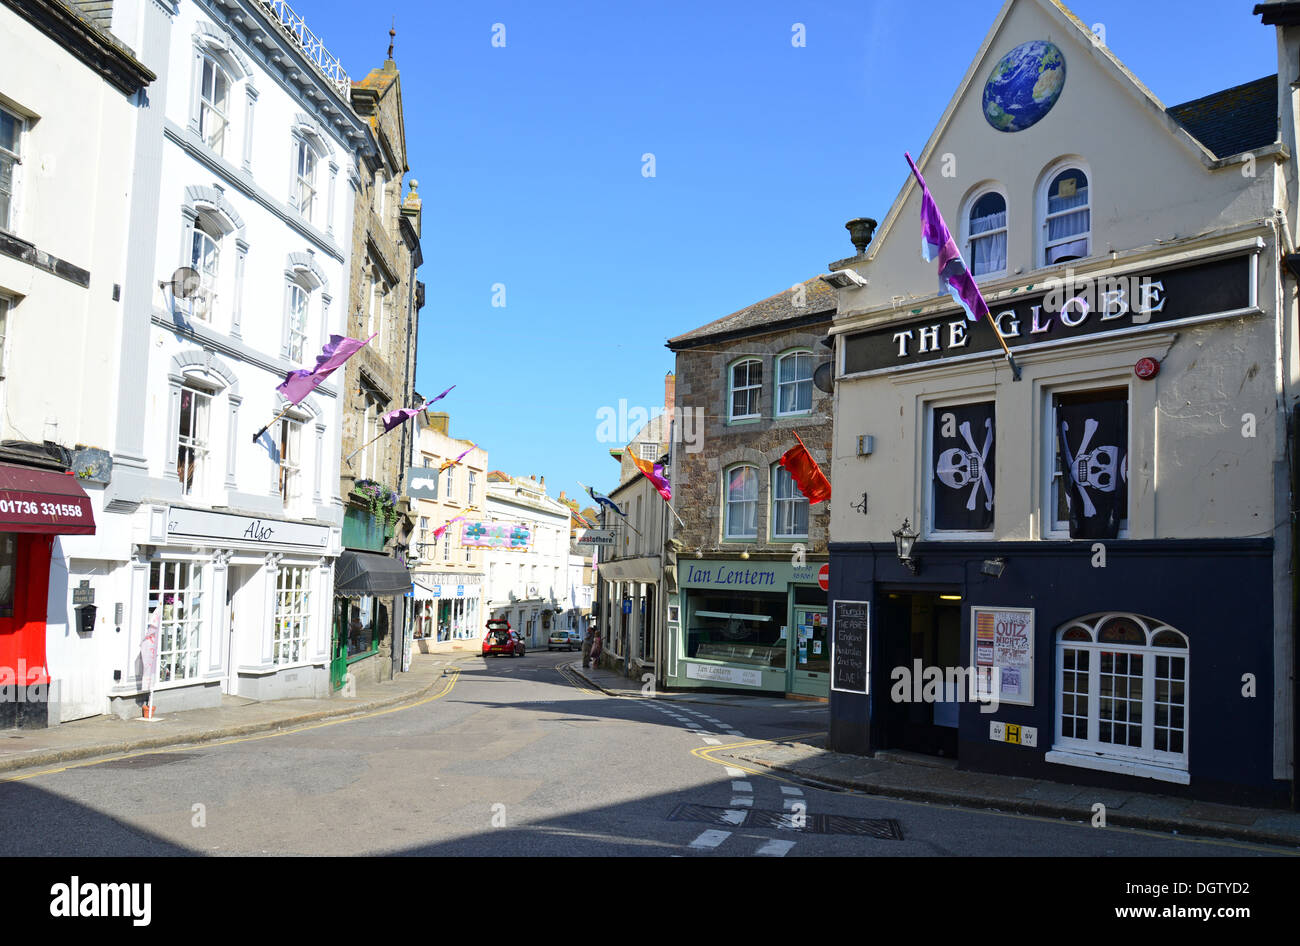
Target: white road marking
735	772
710	839
791	790
775	849
734	732
733	816
739	801
712	742
741	787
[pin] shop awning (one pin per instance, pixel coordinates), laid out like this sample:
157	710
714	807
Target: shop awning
33	500
648	569
367	573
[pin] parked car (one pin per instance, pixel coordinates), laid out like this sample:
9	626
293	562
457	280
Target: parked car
502	640
564	640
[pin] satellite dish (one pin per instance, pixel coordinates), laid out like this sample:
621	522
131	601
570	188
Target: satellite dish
823	378
185	282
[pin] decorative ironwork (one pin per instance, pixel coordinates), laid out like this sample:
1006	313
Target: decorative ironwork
312	46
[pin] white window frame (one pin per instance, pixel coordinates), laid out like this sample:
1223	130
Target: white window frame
209	106
305	164
295	333
796	383
755	387
794	500
292	625
469	490
938	407
1043	216
728	533
181	624
1054	528
969	239
198	443
291	467
9	222
1092	748
205	303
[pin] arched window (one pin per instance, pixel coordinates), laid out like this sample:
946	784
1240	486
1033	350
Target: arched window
794	373
789	506
205	259
1122	691
214	104
746	387
1066	214
986	228
742	502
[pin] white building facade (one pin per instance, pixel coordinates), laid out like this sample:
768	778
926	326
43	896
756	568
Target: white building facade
527	584
244	185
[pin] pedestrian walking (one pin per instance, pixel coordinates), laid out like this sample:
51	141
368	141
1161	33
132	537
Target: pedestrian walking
586	647
595	651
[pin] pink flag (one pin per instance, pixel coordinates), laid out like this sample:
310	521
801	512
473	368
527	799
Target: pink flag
298	384
400	416
472	447
437	533
655	474
937	241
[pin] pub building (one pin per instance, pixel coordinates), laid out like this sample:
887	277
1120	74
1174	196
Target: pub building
1097	539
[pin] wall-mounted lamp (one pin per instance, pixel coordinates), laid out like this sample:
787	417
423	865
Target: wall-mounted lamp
745	556
699	553
904	540
993	567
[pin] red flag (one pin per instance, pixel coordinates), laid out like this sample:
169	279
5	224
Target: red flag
807	475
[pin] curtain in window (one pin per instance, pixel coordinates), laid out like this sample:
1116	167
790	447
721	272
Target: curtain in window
795	383
742	502
989	254
1068	224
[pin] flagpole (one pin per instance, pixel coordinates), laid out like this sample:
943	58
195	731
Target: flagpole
348	458
1015	369
287	408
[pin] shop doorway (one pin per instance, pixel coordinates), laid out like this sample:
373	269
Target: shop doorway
918	631
239	612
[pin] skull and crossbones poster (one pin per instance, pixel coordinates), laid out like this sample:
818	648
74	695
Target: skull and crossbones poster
962	459
1092	457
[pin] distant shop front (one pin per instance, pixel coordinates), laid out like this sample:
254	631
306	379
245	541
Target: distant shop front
447	608
752	625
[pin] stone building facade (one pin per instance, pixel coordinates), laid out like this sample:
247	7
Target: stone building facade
744	386
383	305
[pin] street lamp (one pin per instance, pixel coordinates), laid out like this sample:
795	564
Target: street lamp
904	540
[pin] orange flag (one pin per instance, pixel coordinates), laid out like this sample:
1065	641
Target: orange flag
807	475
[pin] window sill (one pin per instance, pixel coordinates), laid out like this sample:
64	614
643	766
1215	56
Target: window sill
1119	766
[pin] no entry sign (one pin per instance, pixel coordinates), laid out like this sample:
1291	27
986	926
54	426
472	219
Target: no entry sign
824	577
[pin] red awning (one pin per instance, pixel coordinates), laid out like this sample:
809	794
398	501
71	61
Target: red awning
34	500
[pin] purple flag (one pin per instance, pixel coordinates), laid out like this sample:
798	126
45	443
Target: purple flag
937	241
301	382
400	416
439	397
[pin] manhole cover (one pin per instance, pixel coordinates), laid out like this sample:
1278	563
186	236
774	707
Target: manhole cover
884	829
149	760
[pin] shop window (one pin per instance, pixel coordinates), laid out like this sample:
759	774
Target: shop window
746	388
742	503
8	572
789	506
987	234
1089	470
794	383
962	464
1122	690
214	105
367	624
292	630
192	439
1066	215
177	606
11	133
738	629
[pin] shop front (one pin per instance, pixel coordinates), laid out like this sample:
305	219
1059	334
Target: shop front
753	625
447	608
370	593
35	506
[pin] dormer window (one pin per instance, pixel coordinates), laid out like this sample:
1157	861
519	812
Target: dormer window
1067	220
987	229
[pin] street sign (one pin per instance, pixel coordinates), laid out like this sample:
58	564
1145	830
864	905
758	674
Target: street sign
824	577
83	594
594	537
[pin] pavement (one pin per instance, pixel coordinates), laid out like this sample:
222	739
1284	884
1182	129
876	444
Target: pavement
236	716
922	778
805	759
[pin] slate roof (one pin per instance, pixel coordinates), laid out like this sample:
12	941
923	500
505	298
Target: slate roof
1232	121
819	300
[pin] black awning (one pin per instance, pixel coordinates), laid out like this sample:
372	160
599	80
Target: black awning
367	573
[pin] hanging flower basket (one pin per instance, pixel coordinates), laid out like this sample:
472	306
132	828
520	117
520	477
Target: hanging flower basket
379	499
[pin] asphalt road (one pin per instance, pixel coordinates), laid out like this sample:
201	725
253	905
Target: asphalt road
513	757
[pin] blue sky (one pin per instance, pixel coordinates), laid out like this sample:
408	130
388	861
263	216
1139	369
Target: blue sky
529	159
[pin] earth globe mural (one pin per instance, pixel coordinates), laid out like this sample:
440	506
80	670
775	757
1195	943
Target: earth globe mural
1024	85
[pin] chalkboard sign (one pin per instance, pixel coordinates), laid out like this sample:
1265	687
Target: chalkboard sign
850	646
